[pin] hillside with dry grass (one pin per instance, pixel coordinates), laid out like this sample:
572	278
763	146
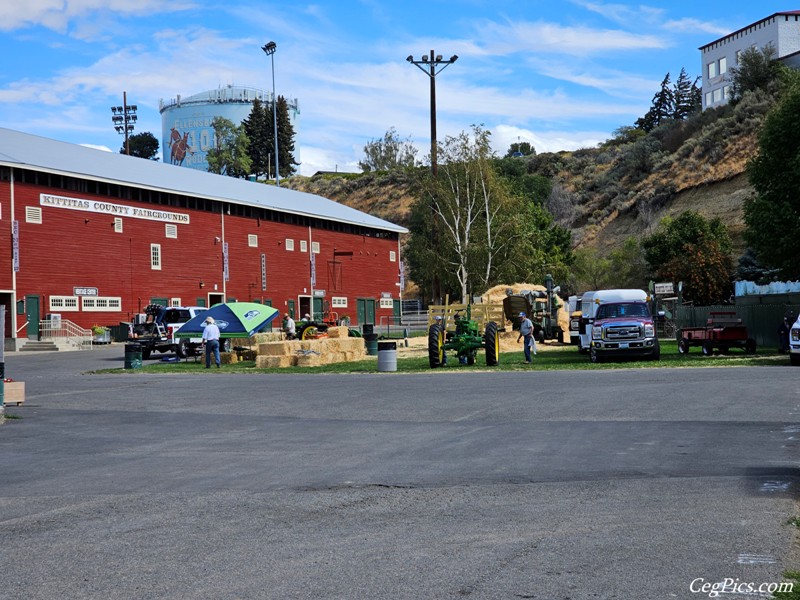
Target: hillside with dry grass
623	189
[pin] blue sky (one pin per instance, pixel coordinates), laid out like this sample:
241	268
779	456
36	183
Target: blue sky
560	74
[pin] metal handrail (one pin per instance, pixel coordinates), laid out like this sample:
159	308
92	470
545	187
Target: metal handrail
23	326
67	331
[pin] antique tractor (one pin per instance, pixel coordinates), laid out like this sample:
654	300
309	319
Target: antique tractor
465	341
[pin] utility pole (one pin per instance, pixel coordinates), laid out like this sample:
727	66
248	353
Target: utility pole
123	118
432	64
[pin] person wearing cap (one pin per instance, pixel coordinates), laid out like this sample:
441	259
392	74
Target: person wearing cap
211	341
526	333
289	326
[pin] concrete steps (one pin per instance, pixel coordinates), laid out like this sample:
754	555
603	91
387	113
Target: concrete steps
38	346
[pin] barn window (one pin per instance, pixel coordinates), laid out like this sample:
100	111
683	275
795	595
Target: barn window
252	240
155	257
290	245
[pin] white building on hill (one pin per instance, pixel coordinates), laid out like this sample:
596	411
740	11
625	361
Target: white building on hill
781	29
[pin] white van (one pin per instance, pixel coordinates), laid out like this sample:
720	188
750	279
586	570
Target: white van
591	300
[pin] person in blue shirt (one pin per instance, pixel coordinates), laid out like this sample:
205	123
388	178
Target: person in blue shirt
211	341
526	334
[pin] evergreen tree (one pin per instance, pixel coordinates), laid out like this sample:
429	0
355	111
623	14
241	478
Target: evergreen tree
662	108
259	129
757	69
287	164
685	94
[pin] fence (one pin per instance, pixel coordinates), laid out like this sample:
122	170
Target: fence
762	320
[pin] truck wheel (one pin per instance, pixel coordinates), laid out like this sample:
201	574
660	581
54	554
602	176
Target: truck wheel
794	360
540	336
683	346
492	344
146	354
708	348
435	346
180	349
750	346
594	356
656	355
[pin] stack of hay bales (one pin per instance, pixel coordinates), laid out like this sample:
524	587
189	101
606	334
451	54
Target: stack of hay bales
337	347
496	294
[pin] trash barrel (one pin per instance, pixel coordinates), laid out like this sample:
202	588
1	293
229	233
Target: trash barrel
387	356
367	329
133	356
371	342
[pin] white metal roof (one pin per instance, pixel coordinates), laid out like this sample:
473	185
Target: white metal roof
24	150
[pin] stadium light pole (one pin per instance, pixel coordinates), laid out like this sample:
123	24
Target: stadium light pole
123	118
432	65
269	48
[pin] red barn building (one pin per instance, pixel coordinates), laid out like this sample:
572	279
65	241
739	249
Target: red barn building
95	237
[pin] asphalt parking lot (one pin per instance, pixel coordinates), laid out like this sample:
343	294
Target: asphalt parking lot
552	485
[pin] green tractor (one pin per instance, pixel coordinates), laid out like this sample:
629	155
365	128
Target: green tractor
465	341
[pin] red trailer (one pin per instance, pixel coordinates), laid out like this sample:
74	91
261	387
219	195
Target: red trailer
723	330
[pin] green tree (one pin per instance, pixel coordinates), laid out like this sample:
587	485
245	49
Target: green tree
662	108
142	145
772	215
695	250
520	148
687	97
260	133
229	154
757	69
388	153
287	164
472	231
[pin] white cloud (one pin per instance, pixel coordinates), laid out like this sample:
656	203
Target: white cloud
695	25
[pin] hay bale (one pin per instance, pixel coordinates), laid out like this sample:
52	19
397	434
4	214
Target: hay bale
278	348
275	362
263	338
338	332
309	360
228	358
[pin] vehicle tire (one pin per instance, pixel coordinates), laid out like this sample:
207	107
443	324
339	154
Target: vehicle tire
492	343
146	353
708	348
656	355
750	346
435	346
470	360
309	333
180	349
683	346
594	356
540	336
794	360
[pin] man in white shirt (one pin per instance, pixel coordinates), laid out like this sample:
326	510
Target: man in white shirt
211	341
289	326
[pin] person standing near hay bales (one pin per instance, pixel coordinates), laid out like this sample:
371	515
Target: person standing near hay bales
211	341
526	334
289	326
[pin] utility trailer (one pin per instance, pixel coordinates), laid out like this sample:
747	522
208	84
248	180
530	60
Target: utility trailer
723	330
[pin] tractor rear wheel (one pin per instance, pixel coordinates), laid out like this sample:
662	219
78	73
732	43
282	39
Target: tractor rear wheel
435	346
492	341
